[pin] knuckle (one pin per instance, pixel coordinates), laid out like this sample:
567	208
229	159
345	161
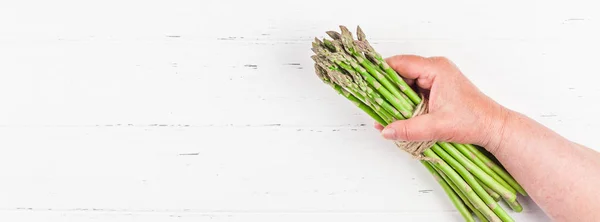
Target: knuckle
441	59
396	59
406	132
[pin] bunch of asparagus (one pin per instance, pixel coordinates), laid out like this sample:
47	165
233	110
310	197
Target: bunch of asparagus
472	178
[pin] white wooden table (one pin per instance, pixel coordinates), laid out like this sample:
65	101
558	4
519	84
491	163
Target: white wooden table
210	111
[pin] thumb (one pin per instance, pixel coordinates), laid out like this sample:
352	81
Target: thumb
418	128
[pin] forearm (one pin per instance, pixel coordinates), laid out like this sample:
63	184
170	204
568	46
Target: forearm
562	177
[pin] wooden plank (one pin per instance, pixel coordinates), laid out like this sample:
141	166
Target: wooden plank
209	110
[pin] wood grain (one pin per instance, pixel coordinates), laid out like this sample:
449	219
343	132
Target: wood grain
210	111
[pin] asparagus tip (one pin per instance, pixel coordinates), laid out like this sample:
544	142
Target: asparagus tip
348	40
334	35
314	58
320	73
318	41
315	45
329	45
345	30
361	45
360	34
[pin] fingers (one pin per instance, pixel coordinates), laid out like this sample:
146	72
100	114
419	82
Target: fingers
419	128
378	126
408	66
413	67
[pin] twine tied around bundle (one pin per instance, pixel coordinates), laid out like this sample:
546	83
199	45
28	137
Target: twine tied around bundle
416	148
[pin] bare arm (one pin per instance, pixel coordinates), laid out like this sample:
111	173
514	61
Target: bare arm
562	177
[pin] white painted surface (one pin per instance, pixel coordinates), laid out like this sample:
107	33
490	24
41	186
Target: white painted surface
190	111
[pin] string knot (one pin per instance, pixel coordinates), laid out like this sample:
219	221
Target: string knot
416	148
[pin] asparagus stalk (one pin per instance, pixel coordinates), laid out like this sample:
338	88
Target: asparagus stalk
487	161
404	87
515	205
357	100
341	61
491	203
368	95
375	82
465	151
358	103
350	47
461	195
454	197
465	187
365	48
346	82
477	172
491	192
387	76
336	46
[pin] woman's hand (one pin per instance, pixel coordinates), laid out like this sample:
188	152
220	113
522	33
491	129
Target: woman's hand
458	111
562	177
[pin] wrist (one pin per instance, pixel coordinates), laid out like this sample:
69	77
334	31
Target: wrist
497	129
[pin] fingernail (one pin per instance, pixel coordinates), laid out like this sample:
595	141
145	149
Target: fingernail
389	133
